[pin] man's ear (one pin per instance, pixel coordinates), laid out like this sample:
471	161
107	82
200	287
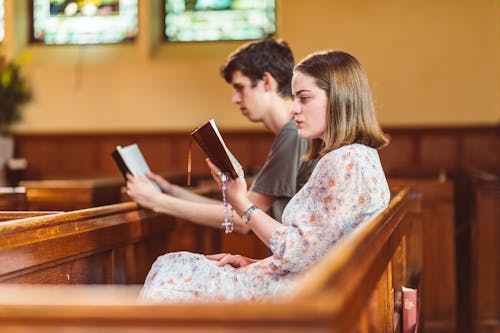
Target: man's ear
270	83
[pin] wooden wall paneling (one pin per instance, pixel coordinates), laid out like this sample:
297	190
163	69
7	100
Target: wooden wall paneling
413	151
440	153
400	155
105	145
177	154
481	150
251	149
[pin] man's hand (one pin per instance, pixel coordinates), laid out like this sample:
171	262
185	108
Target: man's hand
165	185
142	191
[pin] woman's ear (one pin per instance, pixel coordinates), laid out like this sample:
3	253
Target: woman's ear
269	82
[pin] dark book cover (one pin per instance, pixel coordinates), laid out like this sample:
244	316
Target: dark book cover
129	159
210	141
409	306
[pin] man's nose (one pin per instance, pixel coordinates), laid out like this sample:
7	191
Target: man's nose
236	99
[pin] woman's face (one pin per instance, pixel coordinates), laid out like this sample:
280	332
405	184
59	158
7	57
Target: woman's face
310	104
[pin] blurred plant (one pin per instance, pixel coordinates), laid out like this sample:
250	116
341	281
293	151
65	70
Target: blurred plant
14	92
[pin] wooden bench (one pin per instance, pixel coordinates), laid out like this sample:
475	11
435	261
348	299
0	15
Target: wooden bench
110	244
349	289
71	194
485	249
438	234
13	198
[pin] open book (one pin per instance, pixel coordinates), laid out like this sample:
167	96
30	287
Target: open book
130	159
210	140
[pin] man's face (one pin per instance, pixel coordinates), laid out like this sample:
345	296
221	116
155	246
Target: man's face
251	101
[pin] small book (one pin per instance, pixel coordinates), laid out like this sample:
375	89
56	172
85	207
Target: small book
209	139
129	159
409	306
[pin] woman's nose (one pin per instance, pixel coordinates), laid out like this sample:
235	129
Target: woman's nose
295	109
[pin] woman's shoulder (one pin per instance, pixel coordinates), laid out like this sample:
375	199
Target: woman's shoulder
352	151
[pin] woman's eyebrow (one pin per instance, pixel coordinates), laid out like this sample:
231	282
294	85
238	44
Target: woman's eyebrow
300	91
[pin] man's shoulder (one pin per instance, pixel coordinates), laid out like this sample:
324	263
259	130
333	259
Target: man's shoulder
288	130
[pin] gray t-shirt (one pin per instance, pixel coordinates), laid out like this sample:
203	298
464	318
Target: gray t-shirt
284	172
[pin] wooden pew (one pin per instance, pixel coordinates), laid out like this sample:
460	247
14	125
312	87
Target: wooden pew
485	250
347	290
71	194
109	244
13	198
438	235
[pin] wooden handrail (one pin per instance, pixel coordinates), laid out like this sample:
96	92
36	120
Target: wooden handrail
16	215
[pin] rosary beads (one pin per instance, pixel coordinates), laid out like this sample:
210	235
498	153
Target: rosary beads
228	222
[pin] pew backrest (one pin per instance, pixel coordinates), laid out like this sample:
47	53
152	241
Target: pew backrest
109	244
13	198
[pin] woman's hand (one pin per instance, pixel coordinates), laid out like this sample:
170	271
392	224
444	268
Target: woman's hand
234	260
142	191
236	191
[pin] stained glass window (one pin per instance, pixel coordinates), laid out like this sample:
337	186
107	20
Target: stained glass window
206	20
2	28
84	22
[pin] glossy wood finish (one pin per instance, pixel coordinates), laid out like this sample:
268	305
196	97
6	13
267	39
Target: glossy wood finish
72	194
13	198
16	215
485	243
438	241
321	302
110	244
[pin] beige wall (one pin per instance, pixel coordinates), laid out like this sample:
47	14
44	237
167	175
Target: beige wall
430	62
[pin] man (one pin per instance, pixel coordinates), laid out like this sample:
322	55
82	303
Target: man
260	73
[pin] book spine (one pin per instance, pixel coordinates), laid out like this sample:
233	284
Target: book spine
409	306
120	163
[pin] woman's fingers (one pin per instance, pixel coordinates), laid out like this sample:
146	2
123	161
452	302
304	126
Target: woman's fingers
217	256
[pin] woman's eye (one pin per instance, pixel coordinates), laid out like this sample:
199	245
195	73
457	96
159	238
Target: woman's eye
304	99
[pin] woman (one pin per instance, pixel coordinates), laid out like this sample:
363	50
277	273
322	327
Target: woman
333	108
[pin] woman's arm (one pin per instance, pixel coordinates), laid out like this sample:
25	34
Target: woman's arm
260	223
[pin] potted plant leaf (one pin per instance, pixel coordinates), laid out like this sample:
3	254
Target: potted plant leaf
14	93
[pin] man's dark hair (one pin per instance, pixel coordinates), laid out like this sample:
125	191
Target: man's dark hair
255	58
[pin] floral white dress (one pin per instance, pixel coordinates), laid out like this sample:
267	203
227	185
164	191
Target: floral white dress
347	187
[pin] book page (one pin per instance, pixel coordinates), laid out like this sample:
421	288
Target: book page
135	161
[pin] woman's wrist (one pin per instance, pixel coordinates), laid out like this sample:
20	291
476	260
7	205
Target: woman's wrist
242	206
